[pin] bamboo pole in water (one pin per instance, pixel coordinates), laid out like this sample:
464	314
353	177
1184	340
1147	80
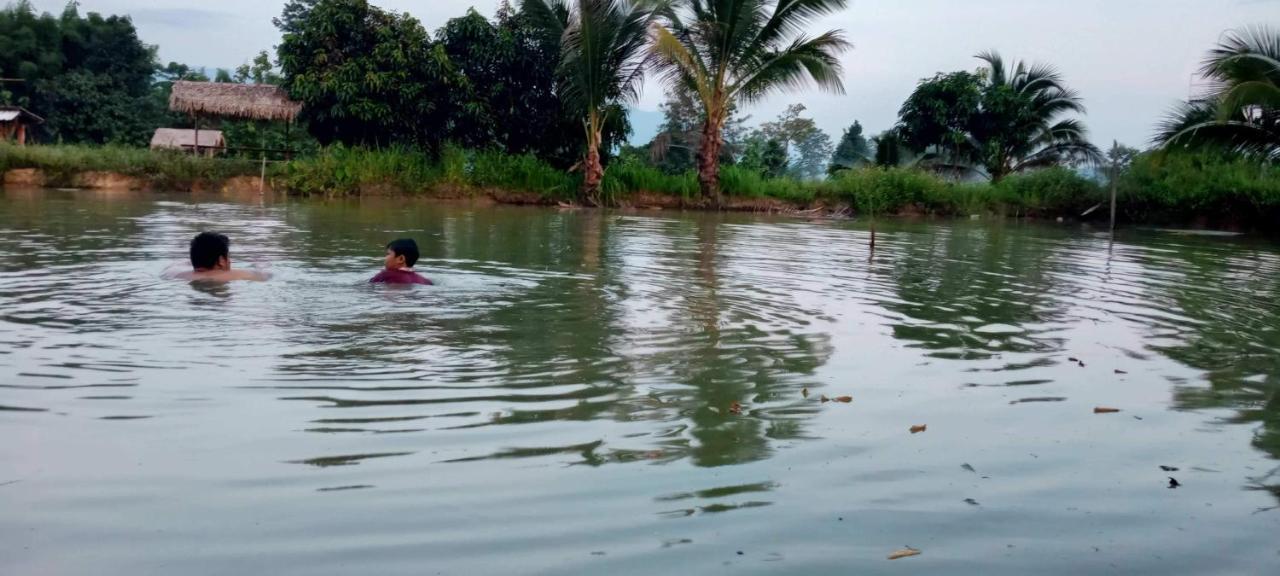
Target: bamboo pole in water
1115	174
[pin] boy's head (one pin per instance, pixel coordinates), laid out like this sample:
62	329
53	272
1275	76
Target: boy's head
402	253
210	251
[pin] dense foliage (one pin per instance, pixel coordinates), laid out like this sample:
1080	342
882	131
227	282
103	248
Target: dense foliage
731	51
89	76
999	121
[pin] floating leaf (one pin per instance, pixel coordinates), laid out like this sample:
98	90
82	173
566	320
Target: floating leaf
825	399
918	428
804	392
735	407
1102	410
1082	364
971	502
1119	371
904	553
966	466
1072	359
844	399
1169	468
1173	483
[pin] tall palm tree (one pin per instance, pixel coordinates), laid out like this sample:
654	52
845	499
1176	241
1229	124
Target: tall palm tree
1019	126
1241	109
728	51
602	62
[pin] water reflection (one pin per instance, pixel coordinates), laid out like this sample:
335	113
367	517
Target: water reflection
623	374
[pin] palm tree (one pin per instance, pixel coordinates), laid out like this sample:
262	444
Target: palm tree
729	51
602	62
1241	110
1019	126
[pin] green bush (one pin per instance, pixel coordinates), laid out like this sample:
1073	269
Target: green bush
1050	191
1184	186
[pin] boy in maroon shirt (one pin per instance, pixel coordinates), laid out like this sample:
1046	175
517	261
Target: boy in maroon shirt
402	254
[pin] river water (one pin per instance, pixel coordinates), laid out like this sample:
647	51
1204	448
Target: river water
563	402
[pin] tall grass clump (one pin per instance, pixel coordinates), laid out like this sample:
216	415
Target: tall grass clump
1055	190
736	181
1187	186
523	173
630	175
888	190
339	170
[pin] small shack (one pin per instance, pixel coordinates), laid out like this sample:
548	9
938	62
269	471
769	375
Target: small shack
239	101
14	121
184	139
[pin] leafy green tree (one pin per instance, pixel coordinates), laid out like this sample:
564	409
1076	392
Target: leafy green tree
801	139
1002	120
936	118
511	64
89	76
1021	125
739	51
774	160
890	152
852	151
1241	113
602	62
680	134
365	75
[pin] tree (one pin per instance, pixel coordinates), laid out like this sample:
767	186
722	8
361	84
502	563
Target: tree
1241	112
936	118
890	151
602	62
801	138
1020	125
89	76
1002	120
511	64
852	151
366	76
774	160
738	51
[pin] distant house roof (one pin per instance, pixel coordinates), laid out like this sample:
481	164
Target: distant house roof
244	101
183	138
11	113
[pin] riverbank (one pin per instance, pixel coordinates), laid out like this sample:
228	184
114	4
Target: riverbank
1197	189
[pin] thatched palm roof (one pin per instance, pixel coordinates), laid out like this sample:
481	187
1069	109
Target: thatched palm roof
186	138
244	101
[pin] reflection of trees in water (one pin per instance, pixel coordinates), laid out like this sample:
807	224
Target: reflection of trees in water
952	280
561	346
1233	302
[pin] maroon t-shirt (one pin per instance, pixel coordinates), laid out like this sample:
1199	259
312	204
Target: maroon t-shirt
399	277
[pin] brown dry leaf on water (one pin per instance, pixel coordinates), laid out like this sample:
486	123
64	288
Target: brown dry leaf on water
904	553
804	392
825	399
735	408
918	428
1102	410
844	399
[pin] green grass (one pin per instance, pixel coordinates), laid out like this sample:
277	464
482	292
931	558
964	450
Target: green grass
1177	187
162	169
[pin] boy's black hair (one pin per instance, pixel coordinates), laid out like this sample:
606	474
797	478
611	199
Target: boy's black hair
207	248
405	247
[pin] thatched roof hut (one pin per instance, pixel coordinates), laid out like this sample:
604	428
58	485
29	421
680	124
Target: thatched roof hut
184	139
243	101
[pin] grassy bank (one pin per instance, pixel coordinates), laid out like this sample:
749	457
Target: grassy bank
160	169
1157	188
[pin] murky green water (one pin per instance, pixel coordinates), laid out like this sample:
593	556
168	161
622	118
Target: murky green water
561	402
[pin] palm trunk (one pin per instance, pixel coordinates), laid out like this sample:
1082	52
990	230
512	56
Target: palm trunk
709	157
592	168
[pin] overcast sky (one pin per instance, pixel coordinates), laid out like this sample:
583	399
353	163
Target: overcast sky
1130	59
